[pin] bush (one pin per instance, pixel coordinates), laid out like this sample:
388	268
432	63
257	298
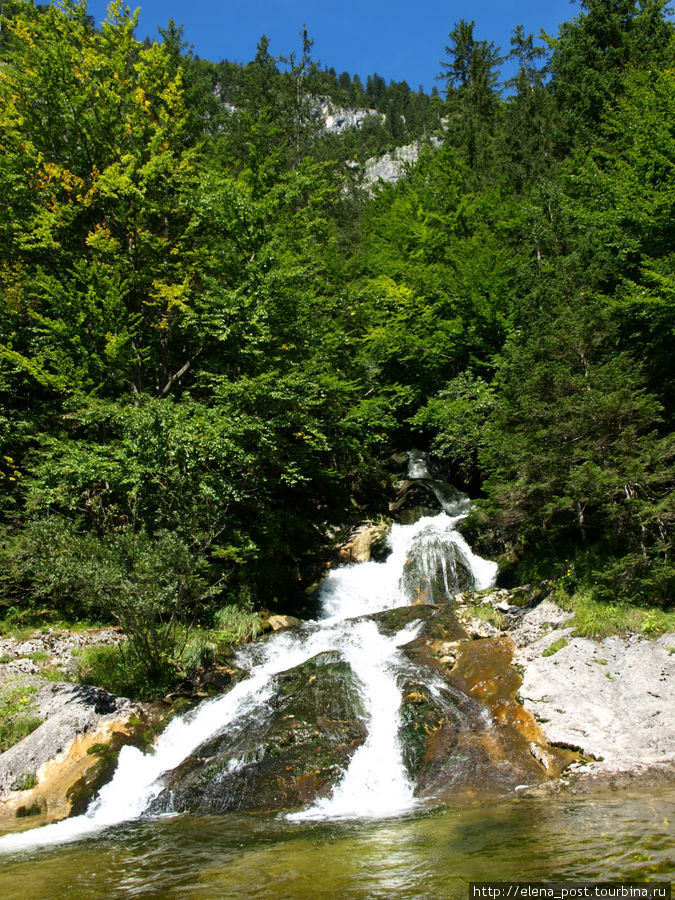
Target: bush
151	585
236	625
116	670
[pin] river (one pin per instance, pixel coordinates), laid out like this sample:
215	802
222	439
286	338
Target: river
428	854
371	836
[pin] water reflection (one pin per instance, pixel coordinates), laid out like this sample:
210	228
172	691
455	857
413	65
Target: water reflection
618	836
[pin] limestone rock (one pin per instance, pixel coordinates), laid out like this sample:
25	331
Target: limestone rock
337	119
276	623
612	698
66	751
368	542
391	167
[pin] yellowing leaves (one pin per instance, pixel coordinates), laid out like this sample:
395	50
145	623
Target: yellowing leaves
172	297
56	176
142	99
101	239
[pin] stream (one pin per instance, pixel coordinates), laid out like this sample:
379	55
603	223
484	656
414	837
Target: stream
364	830
424	855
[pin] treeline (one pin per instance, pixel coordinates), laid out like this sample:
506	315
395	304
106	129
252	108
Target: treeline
212	337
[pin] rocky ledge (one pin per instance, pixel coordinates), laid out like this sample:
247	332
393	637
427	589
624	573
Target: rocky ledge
77	729
524	704
53	772
609	699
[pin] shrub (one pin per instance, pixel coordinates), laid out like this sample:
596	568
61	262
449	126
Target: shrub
116	670
18	717
150	584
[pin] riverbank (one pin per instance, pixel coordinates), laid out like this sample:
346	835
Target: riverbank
606	698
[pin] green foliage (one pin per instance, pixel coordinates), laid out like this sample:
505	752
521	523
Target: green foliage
149	586
17	714
458	416
601	618
555	647
121	672
234	625
472	99
212	338
592	54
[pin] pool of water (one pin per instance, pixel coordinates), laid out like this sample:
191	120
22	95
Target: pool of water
432	854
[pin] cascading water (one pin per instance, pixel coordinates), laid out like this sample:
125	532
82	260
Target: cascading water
375	783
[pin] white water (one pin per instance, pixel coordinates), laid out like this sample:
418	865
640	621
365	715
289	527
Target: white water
376	783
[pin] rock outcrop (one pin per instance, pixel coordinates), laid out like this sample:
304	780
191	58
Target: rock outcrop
66	758
610	699
391	167
337	119
293	751
369	541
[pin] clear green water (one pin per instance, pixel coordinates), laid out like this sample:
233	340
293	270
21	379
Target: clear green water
619	836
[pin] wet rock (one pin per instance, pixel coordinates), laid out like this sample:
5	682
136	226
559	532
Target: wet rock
477	628
390	621
436	570
292	751
414	500
463	730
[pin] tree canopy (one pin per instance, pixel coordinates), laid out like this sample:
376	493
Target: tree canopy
213	334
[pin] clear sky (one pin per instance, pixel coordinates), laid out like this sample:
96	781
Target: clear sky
398	39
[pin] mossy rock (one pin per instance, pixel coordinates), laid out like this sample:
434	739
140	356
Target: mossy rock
423	716
436	570
293	752
391	621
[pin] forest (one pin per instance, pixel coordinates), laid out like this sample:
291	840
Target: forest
214	333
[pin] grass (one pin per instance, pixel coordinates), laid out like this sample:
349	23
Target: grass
555	646
18	716
486	613
24	782
234	625
22	623
598	619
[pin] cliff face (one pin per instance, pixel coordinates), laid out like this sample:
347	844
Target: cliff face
337	119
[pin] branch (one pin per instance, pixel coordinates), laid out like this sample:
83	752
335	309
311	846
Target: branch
179	374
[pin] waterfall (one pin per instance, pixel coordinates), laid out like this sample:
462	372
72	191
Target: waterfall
375	783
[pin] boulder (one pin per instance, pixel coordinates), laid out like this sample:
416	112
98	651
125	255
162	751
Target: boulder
293	751
276	623
368	542
71	754
435	571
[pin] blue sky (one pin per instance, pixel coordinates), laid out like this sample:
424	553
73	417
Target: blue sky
398	39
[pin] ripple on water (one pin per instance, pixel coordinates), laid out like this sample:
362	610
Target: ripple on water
620	836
